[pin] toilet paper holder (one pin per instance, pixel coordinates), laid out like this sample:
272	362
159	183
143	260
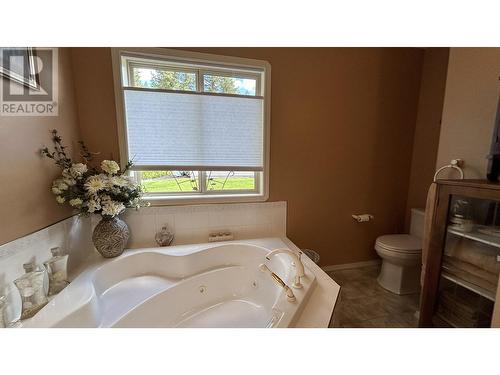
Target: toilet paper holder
363	218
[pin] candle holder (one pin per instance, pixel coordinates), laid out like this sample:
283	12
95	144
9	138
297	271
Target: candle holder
31	289
57	271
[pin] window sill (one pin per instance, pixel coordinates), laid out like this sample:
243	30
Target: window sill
173	200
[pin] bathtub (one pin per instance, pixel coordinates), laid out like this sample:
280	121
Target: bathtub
202	285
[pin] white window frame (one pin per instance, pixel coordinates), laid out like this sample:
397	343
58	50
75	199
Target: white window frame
261	193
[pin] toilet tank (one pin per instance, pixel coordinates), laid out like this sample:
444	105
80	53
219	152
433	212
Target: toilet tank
417	222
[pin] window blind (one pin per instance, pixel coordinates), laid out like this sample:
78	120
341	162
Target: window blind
194	131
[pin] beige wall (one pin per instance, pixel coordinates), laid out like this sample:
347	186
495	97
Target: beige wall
96	100
25	198
342	124
470	104
426	139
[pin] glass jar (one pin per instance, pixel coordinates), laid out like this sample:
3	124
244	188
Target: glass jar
461	215
462	209
57	270
31	289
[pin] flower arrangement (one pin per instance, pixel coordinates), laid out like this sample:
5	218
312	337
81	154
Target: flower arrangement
106	191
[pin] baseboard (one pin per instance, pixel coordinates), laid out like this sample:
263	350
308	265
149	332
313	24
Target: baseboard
347	266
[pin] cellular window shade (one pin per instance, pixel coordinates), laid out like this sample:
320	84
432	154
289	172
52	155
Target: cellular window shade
193	131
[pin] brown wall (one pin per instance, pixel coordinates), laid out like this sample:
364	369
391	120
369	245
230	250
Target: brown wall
426	139
26	201
342	124
472	90
95	95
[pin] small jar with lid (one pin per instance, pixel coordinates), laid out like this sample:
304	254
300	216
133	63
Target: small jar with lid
31	289
164	237
57	271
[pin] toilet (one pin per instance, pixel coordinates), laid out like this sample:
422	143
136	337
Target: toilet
402	257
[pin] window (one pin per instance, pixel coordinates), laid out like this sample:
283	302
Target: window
195	125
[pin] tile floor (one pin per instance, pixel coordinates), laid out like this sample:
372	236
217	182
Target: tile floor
363	303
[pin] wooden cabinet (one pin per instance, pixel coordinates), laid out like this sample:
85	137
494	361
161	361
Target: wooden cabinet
461	255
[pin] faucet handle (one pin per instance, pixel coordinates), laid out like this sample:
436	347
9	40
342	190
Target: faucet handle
289	293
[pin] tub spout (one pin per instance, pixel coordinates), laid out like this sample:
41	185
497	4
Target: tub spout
288	291
296	262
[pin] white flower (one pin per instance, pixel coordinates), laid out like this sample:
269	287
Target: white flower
60	199
112	208
62	185
94	184
59	184
69	181
129	181
75	202
93	205
110	166
105	179
118	181
77	169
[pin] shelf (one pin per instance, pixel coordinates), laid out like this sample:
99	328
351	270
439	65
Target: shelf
474	288
476	236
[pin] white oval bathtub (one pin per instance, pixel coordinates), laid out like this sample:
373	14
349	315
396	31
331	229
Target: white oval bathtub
207	285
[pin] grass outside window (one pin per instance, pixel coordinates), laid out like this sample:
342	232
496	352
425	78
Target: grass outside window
189	182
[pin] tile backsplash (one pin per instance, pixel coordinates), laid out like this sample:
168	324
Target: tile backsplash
193	224
190	224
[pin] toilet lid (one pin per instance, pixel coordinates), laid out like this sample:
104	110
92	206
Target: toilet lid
404	243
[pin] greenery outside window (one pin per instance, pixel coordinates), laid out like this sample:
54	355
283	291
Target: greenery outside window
172	182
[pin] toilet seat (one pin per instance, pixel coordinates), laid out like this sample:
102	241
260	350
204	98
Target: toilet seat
399	243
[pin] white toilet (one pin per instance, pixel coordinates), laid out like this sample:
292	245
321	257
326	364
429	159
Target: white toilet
402	257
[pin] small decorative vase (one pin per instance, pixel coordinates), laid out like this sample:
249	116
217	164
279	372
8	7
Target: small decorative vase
110	236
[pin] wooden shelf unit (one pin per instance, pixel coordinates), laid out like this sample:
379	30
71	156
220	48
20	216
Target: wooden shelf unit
434	244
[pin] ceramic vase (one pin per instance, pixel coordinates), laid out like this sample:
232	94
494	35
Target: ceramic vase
110	236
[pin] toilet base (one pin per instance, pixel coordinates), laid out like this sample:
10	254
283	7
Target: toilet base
399	279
